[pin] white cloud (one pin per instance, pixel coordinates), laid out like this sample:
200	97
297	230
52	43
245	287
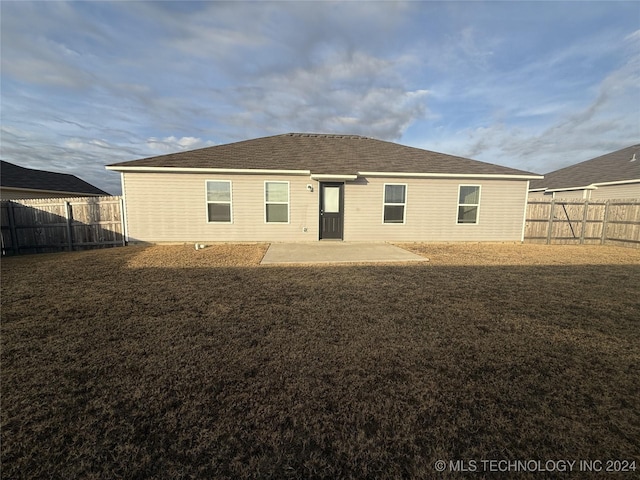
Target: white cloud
173	144
35	52
607	123
84	157
634	36
574	103
349	93
210	41
464	52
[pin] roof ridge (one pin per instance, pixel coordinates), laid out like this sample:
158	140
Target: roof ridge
327	135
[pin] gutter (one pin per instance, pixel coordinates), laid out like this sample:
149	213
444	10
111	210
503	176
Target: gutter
336	178
206	170
531	176
591	186
319	176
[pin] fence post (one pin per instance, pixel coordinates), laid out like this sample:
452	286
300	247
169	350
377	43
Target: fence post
584	221
604	223
67	214
12	228
550	225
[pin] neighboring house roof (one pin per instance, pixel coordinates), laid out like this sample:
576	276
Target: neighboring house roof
621	166
319	154
16	177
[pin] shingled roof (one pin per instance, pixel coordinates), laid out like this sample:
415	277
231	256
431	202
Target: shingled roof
621	165
15	176
320	154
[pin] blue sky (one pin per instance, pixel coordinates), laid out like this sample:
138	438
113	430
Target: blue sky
531	85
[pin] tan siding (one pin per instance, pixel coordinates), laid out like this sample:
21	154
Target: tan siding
432	211
629	190
172	207
538	195
571	195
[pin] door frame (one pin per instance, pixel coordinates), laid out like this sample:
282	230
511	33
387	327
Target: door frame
321	185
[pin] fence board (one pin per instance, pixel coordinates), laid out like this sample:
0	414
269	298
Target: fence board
57	224
557	221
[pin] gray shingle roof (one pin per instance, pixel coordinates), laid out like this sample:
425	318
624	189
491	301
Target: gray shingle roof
14	176
322	154
612	167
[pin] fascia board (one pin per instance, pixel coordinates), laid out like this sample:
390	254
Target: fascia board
251	171
336	177
619	182
585	187
451	175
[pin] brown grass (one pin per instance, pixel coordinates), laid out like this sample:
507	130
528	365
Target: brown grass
164	362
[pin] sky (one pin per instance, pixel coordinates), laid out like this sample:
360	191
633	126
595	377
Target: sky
531	85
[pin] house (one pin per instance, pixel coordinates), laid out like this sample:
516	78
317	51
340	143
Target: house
20	182
309	187
611	176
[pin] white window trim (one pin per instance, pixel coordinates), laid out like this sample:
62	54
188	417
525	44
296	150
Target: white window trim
207	202
287	203
458	204
384	204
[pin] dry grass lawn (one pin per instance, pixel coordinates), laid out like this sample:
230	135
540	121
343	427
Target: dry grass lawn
163	362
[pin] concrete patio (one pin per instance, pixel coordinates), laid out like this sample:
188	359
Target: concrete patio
337	252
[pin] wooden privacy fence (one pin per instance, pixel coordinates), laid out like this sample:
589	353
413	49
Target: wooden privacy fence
57	224
615	222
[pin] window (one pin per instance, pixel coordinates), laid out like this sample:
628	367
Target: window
276	201
218	201
331	199
468	203
395	201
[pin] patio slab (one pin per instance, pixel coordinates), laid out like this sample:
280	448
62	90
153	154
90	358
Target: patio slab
337	252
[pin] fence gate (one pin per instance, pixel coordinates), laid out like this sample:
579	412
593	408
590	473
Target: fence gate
581	222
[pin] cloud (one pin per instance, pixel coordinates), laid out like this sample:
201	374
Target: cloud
198	70
85	154
633	37
572	103
83	157
607	123
466	50
173	144
206	35
38	54
343	93
209	41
